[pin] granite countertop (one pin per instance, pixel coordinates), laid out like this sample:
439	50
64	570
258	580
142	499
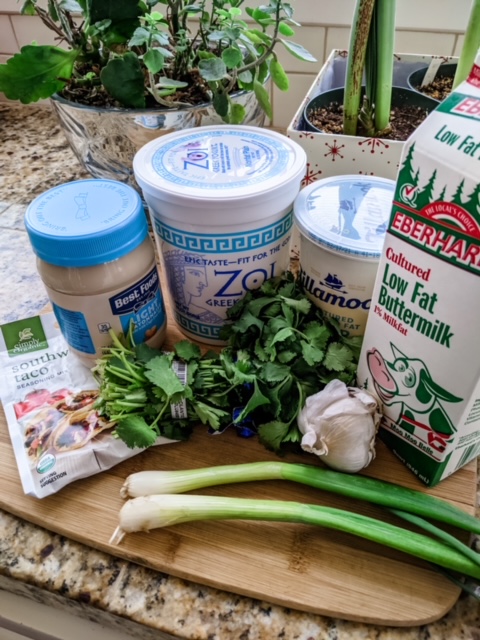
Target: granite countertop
34	156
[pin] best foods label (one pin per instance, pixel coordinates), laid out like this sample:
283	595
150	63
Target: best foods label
421	351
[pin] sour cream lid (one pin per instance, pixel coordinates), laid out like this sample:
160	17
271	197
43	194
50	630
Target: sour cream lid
346	214
217	164
86	222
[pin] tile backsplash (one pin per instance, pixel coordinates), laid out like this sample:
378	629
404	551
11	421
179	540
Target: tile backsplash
423	26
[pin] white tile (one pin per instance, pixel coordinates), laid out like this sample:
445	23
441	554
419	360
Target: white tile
432	15
424	42
31	28
337	38
285	104
10	6
458	45
313	39
405	41
8	42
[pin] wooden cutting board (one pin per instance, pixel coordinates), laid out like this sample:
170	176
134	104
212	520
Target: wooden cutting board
301	567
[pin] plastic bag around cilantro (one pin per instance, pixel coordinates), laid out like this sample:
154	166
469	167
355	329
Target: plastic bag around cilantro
48	397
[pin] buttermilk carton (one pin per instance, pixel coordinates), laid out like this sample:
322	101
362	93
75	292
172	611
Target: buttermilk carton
421	349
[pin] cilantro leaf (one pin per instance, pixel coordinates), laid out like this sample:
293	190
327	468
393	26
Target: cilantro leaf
311	353
187	350
272	434
302	306
282	335
317	334
257	399
135	432
210	415
160	372
273	372
338	356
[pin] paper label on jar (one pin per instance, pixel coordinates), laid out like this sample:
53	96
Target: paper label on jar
208	273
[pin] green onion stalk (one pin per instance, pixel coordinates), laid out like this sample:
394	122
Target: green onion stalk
470	46
371	49
359	487
154	511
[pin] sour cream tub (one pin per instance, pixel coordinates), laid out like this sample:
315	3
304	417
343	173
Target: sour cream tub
342	223
220	200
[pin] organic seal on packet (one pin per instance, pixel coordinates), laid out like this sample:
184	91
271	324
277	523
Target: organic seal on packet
48	397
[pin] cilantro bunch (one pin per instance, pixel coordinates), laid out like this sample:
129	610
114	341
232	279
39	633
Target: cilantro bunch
292	350
140	389
280	349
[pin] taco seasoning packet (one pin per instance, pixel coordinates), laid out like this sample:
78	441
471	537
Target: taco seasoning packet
48	398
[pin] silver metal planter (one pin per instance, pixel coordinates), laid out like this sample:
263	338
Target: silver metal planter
106	140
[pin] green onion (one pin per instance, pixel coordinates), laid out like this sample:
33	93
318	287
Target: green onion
470	46
354	486
150	512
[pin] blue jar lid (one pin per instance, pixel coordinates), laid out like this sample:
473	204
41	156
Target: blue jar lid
86	222
346	214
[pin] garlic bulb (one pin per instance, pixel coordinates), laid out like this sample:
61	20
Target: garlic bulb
340	424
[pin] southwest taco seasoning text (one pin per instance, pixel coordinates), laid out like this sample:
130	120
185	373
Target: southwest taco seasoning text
98	265
421	351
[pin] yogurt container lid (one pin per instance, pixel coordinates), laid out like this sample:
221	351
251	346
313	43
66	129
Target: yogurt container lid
86	222
346	214
216	164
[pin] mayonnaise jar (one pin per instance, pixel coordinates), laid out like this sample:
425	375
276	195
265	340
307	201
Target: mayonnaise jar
97	262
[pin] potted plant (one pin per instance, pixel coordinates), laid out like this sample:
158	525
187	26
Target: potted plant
439	78
127	72
366	77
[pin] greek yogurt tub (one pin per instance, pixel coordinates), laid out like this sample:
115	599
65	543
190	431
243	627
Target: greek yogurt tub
342	223
220	200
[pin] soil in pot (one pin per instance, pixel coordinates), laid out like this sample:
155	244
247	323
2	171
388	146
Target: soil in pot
327	116
440	87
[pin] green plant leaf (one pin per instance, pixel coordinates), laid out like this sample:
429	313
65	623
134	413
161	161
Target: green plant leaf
135	432
118	11
279	76
237	113
245	79
70	5
154	61
220	104
139	38
212	69
232	57
298	51
263	98
170	83
28	8
34	73
123	79
285	29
